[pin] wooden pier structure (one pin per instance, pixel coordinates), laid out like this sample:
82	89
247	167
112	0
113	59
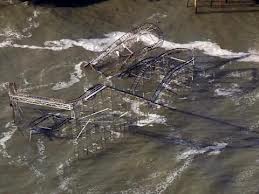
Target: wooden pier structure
223	5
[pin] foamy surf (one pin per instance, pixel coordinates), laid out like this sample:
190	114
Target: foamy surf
74	78
3	86
6	136
210	150
226	91
11	35
188	157
148	118
64	182
94	45
26	89
41	150
100	44
172	176
161	181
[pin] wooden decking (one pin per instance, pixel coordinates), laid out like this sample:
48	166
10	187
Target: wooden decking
223	5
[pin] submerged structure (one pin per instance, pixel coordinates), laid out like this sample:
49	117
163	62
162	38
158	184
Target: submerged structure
105	111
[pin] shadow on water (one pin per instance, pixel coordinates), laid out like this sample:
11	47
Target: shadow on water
244	142
164	138
65	3
213	70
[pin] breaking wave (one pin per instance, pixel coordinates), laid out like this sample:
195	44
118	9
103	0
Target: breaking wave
74	78
3	86
11	35
185	160
6	136
147	118
188	157
210	150
100	44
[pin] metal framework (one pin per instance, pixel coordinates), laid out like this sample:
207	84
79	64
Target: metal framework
127	48
174	67
94	120
132	59
103	113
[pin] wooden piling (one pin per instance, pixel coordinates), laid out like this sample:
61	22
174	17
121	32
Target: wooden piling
195	6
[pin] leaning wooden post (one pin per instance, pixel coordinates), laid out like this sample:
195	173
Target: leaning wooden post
195	6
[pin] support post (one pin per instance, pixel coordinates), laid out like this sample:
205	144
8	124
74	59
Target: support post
195	6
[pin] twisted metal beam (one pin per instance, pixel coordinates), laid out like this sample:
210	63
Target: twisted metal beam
123	53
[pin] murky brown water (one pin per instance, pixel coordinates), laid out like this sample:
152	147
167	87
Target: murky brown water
219	158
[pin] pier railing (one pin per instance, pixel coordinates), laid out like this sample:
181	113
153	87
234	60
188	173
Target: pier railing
223	5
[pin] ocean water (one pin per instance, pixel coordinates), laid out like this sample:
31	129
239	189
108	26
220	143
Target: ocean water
42	49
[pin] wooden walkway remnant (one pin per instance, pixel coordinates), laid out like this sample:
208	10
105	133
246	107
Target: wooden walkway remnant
238	5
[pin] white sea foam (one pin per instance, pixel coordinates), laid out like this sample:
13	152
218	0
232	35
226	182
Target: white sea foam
185	159
149	118
211	150
100	44
161	186
61	167
3	86
41	150
35	87
6	136
32	23
188	157
5	43
226	91
11	35
95	45
64	181
65	184
74	78
248	99
157	15
172	176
